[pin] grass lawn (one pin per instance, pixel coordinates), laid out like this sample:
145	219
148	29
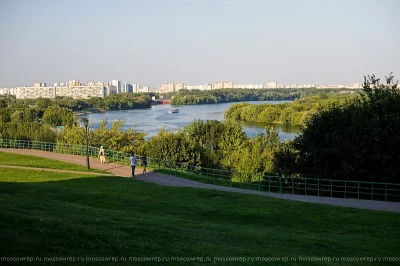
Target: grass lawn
64	214
34	161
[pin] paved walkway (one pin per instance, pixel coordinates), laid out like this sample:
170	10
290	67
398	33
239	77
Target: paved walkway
168	180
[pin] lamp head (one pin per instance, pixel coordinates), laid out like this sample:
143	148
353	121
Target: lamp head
85	121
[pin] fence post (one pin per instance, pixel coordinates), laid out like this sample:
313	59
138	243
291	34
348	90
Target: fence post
358	193
259	182
345	188
269	183
318	187
331	188
280	184
305	187
372	192
292	186
385	191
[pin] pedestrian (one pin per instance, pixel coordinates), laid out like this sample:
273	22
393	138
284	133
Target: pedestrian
102	155
144	163
133	164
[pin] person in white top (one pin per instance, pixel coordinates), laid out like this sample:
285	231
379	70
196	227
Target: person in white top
133	164
102	155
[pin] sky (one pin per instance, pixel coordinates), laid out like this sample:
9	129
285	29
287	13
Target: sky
150	42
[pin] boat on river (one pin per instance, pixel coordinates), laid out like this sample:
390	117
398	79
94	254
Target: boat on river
173	111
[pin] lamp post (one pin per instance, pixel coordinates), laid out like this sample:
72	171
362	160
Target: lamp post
86	124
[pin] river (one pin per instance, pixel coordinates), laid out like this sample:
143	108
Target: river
151	120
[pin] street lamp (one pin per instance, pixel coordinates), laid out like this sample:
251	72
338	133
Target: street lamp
85	122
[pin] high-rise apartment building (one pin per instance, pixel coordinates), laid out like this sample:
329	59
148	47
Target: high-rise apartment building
170	87
126	88
117	85
223	85
73	83
272	84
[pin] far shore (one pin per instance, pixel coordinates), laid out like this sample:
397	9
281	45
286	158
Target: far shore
98	110
89	111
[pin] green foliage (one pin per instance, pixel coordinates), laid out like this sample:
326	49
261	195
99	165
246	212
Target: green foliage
296	113
112	102
214	144
27	131
173	148
257	156
115	138
206	138
58	116
358	141
285	159
188	97
23	115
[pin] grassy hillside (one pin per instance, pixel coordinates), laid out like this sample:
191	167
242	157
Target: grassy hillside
33	161
63	214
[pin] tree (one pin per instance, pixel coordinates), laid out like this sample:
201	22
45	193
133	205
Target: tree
358	141
58	116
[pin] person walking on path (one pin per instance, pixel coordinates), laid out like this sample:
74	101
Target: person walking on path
102	155
133	164
144	163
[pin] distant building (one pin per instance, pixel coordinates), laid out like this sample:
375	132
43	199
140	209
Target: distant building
179	86
117	85
249	86
223	85
170	87
126	88
272	84
76	92
73	83
8	91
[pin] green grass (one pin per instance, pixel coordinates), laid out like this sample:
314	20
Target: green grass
64	214
33	161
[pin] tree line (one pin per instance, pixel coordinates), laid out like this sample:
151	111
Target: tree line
296	113
112	102
191	97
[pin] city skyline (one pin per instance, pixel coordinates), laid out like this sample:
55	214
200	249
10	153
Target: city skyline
198	42
182	85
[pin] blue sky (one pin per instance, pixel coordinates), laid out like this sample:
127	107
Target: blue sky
198	41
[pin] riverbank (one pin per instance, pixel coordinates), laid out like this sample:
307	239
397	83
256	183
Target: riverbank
101	110
89	111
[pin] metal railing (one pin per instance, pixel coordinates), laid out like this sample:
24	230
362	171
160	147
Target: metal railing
267	183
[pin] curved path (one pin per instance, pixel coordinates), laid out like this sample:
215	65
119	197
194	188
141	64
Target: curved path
168	180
